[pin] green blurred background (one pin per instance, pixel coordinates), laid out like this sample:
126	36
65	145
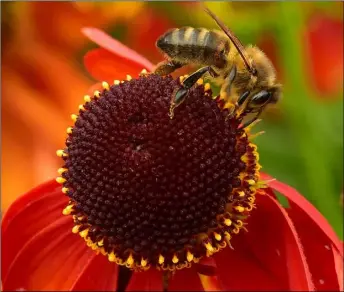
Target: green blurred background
43	80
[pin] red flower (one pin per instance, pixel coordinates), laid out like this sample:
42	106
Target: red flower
290	248
324	37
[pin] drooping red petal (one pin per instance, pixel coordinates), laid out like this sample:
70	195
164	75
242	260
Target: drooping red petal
206	266
210	283
117	48
27	216
316	236
339	267
98	275
207	269
150	280
301	206
40	251
318	248
106	66
186	280
267	257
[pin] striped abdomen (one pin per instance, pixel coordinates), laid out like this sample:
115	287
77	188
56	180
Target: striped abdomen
195	45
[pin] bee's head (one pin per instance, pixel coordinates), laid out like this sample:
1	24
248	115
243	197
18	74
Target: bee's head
263	67
265	89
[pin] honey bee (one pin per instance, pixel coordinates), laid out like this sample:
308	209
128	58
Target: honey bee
246	75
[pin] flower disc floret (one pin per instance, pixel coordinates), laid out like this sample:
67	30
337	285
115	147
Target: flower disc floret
147	190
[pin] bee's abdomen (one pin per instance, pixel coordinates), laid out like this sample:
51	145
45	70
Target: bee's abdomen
187	43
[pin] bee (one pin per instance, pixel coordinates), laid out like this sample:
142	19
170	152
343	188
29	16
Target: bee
245	74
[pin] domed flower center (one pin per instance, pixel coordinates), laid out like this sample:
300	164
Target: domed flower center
147	190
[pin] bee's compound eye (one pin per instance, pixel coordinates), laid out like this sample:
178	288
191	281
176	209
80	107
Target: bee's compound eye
260	99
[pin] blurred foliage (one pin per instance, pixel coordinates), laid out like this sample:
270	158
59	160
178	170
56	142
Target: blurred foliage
303	144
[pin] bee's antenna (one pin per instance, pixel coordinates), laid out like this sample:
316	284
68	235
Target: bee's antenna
232	37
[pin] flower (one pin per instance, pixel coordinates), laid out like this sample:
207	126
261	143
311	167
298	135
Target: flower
325	62
171	197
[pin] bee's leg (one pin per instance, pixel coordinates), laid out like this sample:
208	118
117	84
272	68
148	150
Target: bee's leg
180	95
167	67
211	71
253	119
192	79
225	92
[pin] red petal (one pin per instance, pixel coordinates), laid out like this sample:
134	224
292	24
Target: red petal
270	253
39	250
150	280
317	248
185	280
28	215
98	275
302	206
117	48
206	266
94	87
210	283
339	268
105	66
207	269
315	234
51	260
